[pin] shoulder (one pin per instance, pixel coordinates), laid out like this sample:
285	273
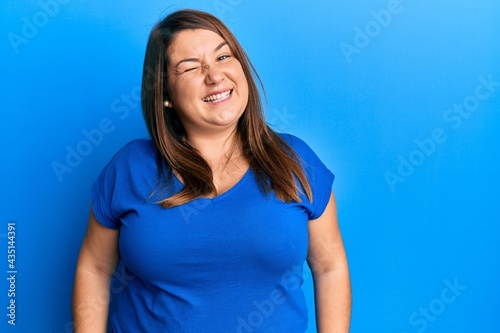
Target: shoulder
130	174
136	148
139	146
307	156
133	164
300	147
136	153
319	177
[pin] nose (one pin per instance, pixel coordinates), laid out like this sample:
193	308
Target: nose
213	76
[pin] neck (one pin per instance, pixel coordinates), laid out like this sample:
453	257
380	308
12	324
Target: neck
216	146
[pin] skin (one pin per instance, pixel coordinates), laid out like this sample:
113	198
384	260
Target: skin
97	261
201	64
328	262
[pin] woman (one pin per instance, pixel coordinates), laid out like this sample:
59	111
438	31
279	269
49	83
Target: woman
215	215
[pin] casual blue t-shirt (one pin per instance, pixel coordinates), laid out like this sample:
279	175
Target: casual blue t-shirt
232	263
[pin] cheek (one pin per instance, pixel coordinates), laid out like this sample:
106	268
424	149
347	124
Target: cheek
180	89
242	82
244	90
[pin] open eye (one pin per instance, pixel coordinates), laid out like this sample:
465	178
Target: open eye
223	57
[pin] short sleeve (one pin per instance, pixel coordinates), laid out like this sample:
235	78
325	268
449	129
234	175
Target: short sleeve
105	192
111	192
320	178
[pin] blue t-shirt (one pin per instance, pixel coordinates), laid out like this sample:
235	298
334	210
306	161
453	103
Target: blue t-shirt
232	263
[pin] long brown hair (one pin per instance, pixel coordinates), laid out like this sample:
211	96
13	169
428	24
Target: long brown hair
273	161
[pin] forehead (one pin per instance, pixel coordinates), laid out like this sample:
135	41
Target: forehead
196	42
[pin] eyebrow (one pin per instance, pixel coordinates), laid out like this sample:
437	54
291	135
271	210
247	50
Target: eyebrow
220	46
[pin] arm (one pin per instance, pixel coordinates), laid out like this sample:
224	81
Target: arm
96	263
328	263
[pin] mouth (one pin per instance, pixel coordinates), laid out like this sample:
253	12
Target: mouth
218	97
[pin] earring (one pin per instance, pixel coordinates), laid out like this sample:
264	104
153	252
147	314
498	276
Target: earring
167	104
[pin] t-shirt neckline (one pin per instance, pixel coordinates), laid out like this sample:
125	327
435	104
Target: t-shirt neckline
223	194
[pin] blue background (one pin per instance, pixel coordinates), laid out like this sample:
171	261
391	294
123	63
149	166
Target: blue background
370	85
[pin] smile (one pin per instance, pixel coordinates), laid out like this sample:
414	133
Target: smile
215	98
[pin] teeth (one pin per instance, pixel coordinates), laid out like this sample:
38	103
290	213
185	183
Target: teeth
217	97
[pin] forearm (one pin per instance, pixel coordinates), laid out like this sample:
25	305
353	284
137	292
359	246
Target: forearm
332	291
90	301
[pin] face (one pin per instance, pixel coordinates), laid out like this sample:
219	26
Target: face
208	88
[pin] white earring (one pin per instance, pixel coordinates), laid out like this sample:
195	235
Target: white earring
167	104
